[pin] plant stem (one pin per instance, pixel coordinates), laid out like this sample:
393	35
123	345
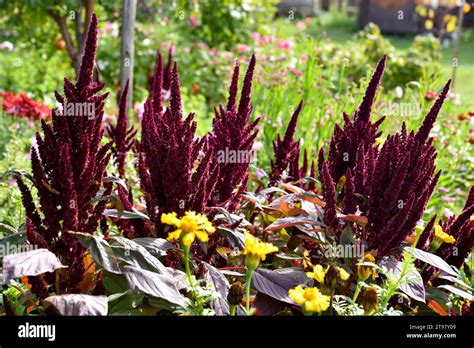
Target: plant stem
232	310
357	290
186	264
247	290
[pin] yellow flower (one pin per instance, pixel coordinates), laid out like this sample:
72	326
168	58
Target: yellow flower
310	299
466	8
431	13
451	26
319	273
343	274
442	237
421	10
256	250
428	24
364	272
189	227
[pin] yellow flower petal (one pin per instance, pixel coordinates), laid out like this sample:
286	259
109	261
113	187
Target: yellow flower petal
428	24
188	239
343	274
169	219
174	235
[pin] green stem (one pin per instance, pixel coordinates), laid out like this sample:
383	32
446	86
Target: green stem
186	264
232	310
357	290
247	290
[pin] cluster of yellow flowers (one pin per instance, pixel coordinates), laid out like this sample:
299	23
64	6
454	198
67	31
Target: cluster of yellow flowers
189	227
310	299
450	21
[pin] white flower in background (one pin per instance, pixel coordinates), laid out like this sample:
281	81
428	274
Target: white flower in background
399	92
7	45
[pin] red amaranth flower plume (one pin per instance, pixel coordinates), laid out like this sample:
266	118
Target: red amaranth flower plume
68	167
123	137
175	167
286	163
356	132
396	180
233	134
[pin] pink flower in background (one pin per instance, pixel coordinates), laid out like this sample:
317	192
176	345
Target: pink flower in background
228	55
443	189
308	20
139	108
448	199
296	72
11	182
116	14
447	213
276	76
166	19
304	58
213	52
255	36
260	79
187	50
102	32
108	27
257	146
300	25
215	62
6	45
202	45
193	22
286	45
243	48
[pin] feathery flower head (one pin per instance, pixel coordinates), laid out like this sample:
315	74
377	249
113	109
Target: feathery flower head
190	226
310	299
256	250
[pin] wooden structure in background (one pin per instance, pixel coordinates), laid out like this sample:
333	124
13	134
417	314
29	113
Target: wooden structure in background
392	16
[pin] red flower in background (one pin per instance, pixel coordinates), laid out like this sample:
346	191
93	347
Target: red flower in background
20	105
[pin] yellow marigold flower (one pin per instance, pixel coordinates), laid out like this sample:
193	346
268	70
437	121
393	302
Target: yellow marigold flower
466	8
343	274
431	13
256	250
442	237
428	24
421	10
364	272
310	299
451	26
318	273
190	226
